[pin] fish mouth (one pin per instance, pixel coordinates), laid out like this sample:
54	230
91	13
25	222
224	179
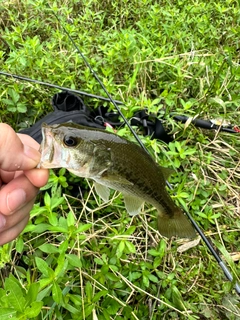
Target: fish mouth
47	149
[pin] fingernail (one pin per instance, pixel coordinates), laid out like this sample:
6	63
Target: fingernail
2	221
31	153
16	199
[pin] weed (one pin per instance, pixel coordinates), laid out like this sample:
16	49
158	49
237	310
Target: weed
79	258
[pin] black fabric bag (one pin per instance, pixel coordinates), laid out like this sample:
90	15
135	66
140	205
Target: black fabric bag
67	107
70	107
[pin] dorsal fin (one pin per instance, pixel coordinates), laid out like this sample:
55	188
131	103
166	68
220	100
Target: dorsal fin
167	172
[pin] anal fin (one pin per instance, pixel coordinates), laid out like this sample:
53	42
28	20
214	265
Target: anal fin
133	204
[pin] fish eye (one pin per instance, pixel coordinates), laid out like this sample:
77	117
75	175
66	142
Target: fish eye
70	141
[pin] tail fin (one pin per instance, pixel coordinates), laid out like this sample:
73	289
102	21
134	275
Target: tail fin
176	226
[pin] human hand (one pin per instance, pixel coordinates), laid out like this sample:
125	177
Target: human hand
19	181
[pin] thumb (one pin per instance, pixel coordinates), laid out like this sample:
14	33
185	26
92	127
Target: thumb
14	155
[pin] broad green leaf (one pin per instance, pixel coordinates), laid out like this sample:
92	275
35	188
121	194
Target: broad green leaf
134	275
112	276
55	202
45	287
162	247
70	219
63	246
8	313
62	264
130	246
113	307
2	295
62	171
42	266
34	309
88	310
47	199
98	261
12	109
105	268
153	278
106	315
56	292
14	95
146	281
98	295
77	299
157	262
21	108
62	222
14	295
58	229
53	220
23	61
83	227
130	230
120	248
8	102
32	293
154	252
48	248
19	244
40	228
73	311
74	260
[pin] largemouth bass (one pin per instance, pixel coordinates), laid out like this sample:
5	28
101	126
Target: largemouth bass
114	162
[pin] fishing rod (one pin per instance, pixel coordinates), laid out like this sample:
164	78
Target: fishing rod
197	122
197	228
51	85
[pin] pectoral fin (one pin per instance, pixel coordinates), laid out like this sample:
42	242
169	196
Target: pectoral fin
107	180
133	204
102	191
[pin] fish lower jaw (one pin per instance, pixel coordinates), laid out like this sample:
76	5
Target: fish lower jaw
47	165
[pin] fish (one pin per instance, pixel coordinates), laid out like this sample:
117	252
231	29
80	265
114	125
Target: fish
113	162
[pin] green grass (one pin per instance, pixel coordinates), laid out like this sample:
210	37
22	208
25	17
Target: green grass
79	258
